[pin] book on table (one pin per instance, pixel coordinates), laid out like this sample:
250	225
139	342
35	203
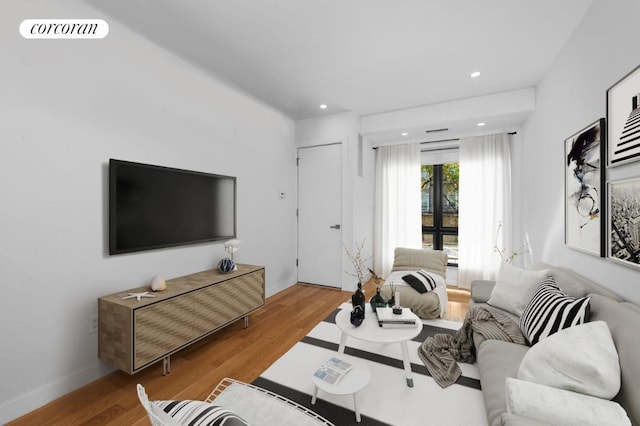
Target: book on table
387	319
333	370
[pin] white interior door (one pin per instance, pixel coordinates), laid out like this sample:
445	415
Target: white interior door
320	215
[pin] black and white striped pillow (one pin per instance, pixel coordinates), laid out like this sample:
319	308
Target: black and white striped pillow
198	413
421	281
551	310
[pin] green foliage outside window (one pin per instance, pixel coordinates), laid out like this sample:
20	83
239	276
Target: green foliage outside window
440	188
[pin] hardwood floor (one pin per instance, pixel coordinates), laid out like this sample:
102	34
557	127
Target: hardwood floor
242	354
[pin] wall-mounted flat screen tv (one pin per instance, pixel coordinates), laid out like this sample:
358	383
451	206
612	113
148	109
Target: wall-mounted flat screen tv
154	207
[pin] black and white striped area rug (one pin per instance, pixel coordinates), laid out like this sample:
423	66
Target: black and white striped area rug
386	400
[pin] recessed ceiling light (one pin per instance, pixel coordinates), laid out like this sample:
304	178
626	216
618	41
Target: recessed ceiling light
405	133
475	74
481	124
323	106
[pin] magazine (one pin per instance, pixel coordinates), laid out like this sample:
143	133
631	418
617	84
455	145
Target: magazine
387	319
333	370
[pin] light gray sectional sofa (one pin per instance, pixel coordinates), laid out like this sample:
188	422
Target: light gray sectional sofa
498	360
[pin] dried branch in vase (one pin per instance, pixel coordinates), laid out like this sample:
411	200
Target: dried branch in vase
505	255
376	279
358	262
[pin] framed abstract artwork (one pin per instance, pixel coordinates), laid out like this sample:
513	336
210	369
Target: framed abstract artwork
624	221
623	120
584	175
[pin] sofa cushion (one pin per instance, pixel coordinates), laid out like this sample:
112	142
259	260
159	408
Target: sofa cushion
631	306
515	287
481	290
497	360
577	285
623	324
562	407
432	304
580	359
406	259
510	419
551	310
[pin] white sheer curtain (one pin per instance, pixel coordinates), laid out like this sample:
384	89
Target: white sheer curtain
397	203
485	203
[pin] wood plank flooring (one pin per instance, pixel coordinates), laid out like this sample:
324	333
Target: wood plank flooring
242	354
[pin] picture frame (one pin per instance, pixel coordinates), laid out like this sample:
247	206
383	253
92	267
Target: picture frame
584	183
623	120
624	221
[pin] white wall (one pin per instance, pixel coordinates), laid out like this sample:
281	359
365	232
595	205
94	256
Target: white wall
572	95
67	106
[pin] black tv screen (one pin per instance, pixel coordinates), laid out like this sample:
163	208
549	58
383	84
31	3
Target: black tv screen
153	207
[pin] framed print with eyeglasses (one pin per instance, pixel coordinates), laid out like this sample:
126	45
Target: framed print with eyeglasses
584	183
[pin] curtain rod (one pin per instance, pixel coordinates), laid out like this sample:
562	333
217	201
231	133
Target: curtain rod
448	140
439	150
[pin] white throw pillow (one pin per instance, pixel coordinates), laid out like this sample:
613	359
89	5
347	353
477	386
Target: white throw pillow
561	407
515	287
581	359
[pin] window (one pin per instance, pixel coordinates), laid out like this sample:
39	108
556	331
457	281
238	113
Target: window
439	185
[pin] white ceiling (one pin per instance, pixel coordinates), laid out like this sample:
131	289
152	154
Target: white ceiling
366	56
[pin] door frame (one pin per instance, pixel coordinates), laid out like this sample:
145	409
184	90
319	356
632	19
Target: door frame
346	208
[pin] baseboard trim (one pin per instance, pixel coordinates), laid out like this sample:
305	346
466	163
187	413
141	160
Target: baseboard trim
23	404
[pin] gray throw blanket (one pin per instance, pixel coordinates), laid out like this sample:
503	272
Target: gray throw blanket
440	352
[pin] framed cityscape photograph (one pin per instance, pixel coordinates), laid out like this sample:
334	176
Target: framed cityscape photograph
624	221
623	120
584	224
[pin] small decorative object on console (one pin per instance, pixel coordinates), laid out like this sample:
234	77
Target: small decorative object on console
138	296
158	283
226	265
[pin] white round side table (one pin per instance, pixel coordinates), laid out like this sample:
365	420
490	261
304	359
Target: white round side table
354	381
369	331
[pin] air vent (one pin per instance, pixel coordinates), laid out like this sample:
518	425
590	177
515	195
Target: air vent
436	130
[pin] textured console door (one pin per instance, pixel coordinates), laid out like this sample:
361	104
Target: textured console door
219	304
162	328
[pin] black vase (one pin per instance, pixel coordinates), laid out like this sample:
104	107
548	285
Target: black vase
377	301
358	298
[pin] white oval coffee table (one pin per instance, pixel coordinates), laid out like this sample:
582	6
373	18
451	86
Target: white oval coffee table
369	331
352	382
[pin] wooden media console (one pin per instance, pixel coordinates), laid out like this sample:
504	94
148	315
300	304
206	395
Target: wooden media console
133	335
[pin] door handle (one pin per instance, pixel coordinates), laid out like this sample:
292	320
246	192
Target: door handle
335	227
